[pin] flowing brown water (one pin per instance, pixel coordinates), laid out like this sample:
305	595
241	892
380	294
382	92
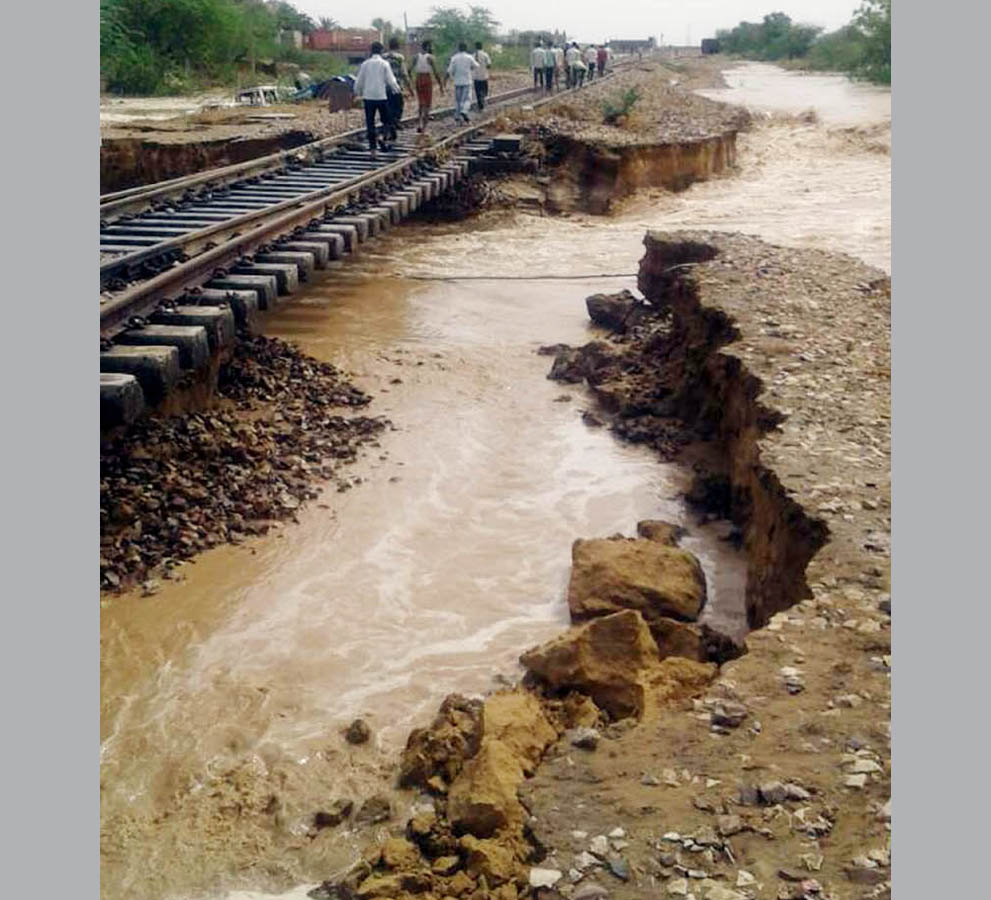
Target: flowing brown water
224	695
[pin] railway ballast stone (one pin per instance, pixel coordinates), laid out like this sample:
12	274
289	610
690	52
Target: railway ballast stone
629	573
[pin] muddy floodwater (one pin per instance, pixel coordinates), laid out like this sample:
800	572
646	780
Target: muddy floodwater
223	695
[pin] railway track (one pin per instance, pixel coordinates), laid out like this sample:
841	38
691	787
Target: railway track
184	263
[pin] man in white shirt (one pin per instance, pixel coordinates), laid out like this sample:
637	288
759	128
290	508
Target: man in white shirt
538	61
558	64
591	57
374	78
482	75
572	57
460	69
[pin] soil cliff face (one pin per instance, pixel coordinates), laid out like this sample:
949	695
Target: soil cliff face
591	176
718	396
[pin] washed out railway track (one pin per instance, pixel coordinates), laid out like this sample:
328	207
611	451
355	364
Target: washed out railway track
185	262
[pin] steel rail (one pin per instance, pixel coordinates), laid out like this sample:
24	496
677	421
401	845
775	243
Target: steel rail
141	299
131	199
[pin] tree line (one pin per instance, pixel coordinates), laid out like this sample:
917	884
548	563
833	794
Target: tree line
176	46
861	48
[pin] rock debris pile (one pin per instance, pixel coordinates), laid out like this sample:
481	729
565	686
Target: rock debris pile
173	487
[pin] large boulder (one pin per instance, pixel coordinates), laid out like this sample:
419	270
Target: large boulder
482	800
441	750
628	573
516	719
604	658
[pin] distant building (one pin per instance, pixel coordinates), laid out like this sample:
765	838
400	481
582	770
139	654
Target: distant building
348	44
632	46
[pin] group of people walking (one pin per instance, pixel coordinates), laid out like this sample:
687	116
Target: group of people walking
384	80
577	64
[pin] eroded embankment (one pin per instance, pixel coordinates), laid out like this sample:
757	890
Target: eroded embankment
130	162
590	177
589	780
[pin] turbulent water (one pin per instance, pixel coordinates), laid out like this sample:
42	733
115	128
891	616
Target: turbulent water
224	695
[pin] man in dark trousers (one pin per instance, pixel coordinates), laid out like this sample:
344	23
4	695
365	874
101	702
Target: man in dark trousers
481	75
374	80
397	62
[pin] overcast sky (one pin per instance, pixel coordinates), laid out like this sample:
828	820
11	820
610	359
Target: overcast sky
679	21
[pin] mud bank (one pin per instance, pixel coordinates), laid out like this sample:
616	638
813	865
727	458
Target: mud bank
611	772
129	162
591	177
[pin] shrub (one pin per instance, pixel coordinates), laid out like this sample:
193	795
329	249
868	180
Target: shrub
619	105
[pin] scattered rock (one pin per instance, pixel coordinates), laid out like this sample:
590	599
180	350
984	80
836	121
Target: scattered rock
441	750
728	714
612	311
374	810
488	859
729	825
619	867
585	738
589	890
773	792
358	732
336	813
399	853
678	887
445	865
666	533
544	877
599	846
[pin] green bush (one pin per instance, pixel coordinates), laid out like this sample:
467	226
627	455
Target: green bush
619	105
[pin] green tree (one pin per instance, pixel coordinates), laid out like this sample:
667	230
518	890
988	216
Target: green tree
450	27
328	24
873	19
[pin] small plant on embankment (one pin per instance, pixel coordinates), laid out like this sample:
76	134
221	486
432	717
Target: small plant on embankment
619	106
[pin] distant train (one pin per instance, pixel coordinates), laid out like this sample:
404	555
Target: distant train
709	45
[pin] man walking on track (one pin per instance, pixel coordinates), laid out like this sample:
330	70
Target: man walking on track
572	59
374	79
482	75
558	65
538	63
601	58
548	68
397	62
590	59
461	68
423	66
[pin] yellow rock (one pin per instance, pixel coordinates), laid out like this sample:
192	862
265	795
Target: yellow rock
622	573
606	658
399	853
516	719
489	860
482	800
